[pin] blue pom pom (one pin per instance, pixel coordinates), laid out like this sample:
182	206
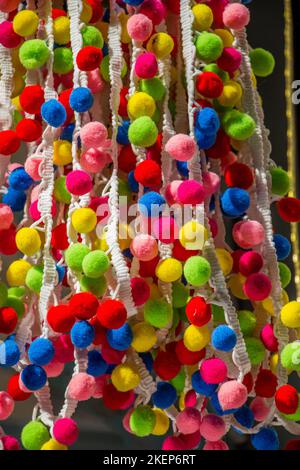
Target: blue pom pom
165	395
265	439
207	121
67	132
283	247
96	364
235	202
223	338
9	353
134	185
127	253
122	135
148	360
205	141
245	417
53	113
41	351
81	99
121	338
33	377
217	407
202	387
19	179
182	168
151	204
110	368
61	271
82	334
14	199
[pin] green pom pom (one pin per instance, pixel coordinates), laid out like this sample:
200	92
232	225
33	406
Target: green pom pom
142	421
262	62
3	293
218	313
33	54
91	36
215	69
104	68
34	435
255	350
239	126
74	256
61	193
280	181
17	304
16	291
158	313
197	271
290	356
153	87
143	132
247	321
34	278
180	295
63	60
285	275
179	381
95	286
95	264
156	116
209	47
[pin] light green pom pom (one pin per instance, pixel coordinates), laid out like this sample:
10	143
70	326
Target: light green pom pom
34	435
97	287
280	181
61	193
104	68
34	278
285	275
153	87
180	295
91	36
16	291
262	62
143	132
290	356
179	381
239	126
63	60
142	421
247	321
197	271
157	312
74	256
255	350
95	264
17	304
209	47
33	54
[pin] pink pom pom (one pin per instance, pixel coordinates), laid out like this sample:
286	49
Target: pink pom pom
79	182
93	134
54	368
10	443
95	82
188	421
171	192
213	371
218	445
190	441
7	405
154	9
173	443
260	409
126	420
81	387
32	167
230	59
250	263
65	431
64	349
190	399
144	247
181	147
8	38
211	183
6	217
139	27
257	287
146	65
232	394
34	210
212	428
94	160
140	291
248	233
236	16
99	386
268	338
191	192
165	229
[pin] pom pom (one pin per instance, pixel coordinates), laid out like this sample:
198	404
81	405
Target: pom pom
32	99
209	47
260	409
74	256
33	54
34	435
83	305
289	209
181	147
144	247
93	134
8	320
239	175
190	192
65	431
169	270
161	44
140	291
153	87
78	182
9	142
197	271
10	443
166	365
212	428
280	181
121	338
153	9
148	173
255	350
81	99
266	384
6	405
125	377
14	390
84	220
158	313
144	337
213	371
198	311
224	338
82	334
41	351
188	421
262	62
232	395
268	338
89	58
238	125
248	234
139	27
209	85
257	287
8	37
203	17
195	338
236	16
282	246
54	113
165	395
151	204
250	263
290	314
235	202
265	439
187	357
33	377
81	387
142	421
143	132
287	399
112	314
146	65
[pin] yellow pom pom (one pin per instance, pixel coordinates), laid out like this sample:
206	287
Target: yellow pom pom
125	377
225	260
18	85
235	284
62	152
161	44
28	241
267	304
52	444
231	95
140	104
16	273
193	235
226	36
84	220
162	422
203	17
87	12
169	270
290	315
126	235
61	30
125	38
25	23
196	338
144	337
101	243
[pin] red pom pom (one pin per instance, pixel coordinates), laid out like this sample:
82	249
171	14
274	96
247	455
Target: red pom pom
97	10
9	142
209	84
59	239
127	159
236	256
29	130
8	241
248	382
83	305
56	12
173	6
64	98
287	399
123	102
100	331
115	400
140	291
180	253
250	262
89	58
60	318
8	320
148	173
166	365
198	311
221	147
239	175
186	357
14	390
112	314
288	209
292	444
64	349
266	384
147	268
32	98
